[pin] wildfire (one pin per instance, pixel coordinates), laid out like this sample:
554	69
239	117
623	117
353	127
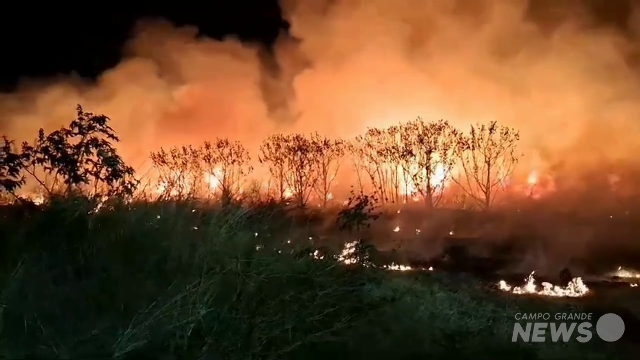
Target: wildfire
439	180
396	267
532	180
575	288
625	273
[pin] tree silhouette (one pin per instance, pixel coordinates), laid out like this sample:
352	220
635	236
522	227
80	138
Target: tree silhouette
226	164
427	156
488	157
329	155
301	159
179	171
80	157
11	166
372	153
273	154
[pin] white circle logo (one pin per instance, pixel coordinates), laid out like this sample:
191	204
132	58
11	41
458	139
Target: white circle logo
610	327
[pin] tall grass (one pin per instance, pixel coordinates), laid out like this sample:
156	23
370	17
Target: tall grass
193	281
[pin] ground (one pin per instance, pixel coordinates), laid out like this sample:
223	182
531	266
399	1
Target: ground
183	280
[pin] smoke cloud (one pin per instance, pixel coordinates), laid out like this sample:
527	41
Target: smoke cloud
566	78
567	81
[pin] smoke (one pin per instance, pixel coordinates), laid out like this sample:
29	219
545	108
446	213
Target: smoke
566	78
551	71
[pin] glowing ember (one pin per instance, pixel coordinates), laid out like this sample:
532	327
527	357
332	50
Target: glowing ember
625	273
347	256
575	288
396	267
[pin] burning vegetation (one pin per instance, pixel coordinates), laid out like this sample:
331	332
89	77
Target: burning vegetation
257	199
575	288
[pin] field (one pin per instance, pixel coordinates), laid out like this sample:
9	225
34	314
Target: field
193	280
205	265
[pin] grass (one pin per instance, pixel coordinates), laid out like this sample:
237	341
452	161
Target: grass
192	281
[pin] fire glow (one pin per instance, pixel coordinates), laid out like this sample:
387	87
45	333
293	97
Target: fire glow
575	288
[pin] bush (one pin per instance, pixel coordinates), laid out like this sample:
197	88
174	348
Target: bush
183	280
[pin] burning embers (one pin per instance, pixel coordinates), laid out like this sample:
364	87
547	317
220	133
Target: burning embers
626	275
575	288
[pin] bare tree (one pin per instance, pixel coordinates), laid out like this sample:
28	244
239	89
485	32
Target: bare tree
329	155
300	163
226	165
488	157
355	148
427	157
373	152
179	170
273	154
389	147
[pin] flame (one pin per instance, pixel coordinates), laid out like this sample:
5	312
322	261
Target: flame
575	288
532	180
625	273
396	267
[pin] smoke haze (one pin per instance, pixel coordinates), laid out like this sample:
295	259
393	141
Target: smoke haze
565	80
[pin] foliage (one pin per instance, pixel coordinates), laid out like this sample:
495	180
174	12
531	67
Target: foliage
11	166
175	280
79	158
359	212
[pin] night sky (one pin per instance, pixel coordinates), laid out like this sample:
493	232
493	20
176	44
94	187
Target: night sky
41	42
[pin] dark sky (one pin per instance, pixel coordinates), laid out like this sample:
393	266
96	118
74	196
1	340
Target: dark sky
40	42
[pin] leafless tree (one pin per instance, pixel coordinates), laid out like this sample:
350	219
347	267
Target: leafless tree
226	165
373	152
428	156
180	172
488	157
329	155
300	158
273	154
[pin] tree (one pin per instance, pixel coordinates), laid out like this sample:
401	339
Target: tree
81	158
329	156
488	157
226	164
374	153
179	171
300	163
427	157
273	154
11	166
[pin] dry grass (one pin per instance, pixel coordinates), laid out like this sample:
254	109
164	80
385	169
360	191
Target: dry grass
183	280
